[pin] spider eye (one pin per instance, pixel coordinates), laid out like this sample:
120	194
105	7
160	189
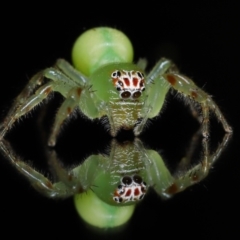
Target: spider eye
127	180
121	192
118	73
137	179
120	83
136	94
114	74
141	84
120	186
126	94
140	74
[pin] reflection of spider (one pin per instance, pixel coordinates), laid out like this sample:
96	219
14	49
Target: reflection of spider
107	84
102	183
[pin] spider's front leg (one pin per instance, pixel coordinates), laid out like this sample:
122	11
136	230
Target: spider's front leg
78	96
16	110
34	93
164	76
187	88
63	79
65	110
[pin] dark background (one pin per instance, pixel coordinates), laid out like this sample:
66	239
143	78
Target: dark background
201	38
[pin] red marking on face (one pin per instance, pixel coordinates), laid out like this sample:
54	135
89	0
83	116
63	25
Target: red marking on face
171	79
135	82
126	81
128	193
136	192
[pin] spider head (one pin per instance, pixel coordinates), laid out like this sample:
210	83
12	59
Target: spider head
131	188
129	84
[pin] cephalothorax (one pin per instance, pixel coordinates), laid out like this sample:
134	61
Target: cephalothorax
105	83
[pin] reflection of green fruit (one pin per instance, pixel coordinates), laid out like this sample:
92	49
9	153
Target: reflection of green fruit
100	214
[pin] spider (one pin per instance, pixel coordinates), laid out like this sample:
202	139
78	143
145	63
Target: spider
105	84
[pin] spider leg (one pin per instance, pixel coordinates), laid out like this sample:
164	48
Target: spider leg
71	72
187	88
162	66
142	63
20	109
77	97
72	179
198	172
65	110
61	189
34	93
195	111
35	81
156	91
